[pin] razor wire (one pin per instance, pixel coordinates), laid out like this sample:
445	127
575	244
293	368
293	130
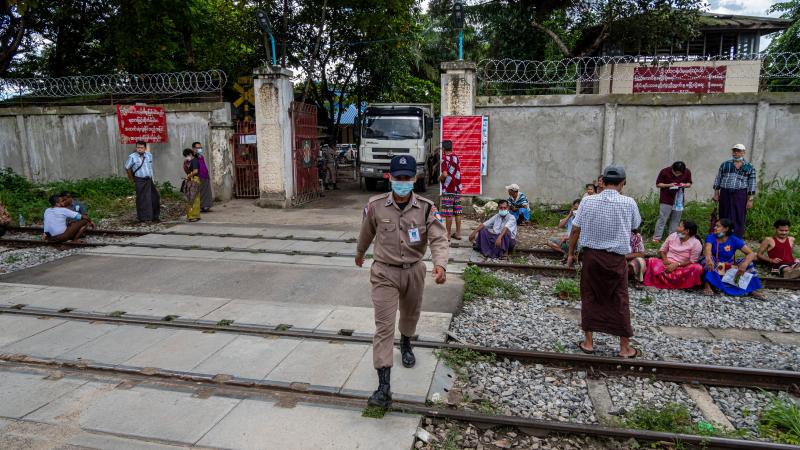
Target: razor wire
174	83
601	68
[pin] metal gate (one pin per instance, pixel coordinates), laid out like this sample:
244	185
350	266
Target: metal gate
305	153
245	161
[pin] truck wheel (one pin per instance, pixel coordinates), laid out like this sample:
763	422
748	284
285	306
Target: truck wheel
420	185
371	183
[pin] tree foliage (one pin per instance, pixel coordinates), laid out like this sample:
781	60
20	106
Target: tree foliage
788	40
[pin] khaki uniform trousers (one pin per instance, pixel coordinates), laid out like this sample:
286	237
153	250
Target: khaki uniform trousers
392	287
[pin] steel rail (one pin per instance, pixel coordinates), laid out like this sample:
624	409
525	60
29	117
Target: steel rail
237	387
540	269
664	370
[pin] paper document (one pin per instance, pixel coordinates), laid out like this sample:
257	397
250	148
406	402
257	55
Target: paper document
744	280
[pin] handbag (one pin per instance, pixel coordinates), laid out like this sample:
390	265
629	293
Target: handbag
721	268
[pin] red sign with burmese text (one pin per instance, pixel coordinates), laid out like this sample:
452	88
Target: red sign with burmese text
679	79
142	123
467	135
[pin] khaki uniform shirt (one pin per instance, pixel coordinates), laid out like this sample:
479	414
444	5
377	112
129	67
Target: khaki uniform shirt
394	227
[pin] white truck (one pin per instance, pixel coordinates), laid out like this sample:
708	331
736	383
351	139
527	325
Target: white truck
391	129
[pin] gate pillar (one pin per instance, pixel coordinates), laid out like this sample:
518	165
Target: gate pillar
273	97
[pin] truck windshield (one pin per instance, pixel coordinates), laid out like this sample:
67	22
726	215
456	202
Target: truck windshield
392	128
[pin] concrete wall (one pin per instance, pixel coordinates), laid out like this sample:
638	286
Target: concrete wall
73	142
552	145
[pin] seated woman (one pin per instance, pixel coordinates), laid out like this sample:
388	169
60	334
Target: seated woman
635	258
677	267
720	256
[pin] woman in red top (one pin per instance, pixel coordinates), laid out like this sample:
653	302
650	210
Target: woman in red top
777	251
451	189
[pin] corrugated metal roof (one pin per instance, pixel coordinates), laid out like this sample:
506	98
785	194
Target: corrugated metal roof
719	22
350	114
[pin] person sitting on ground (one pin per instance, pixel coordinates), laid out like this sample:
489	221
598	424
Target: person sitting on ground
518	204
720	256
55	222
68	198
677	265
590	189
777	251
496	237
561	243
635	259
599	186
5	220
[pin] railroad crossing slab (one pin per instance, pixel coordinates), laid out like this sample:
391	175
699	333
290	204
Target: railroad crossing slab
22	393
270	244
165	304
59	339
410	384
16	328
248	356
160	239
253	423
75	298
10	291
252	312
119	345
182	351
320	364
156	414
431	326
67	408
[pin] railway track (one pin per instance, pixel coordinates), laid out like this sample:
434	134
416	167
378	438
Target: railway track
237	387
662	370
530	269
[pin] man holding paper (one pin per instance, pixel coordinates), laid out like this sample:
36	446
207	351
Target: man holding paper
733	276
671	181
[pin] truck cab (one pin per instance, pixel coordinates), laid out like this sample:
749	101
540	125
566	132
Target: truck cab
388	130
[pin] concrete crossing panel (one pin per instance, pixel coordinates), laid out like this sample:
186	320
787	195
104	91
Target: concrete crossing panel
17	328
119	345
257	425
60	339
320	364
248	357
22	393
407	383
156	414
248	311
182	351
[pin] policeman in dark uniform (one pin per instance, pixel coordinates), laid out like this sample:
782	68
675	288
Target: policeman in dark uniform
402	225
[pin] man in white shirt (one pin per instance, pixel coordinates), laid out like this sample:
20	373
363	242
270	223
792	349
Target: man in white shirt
55	222
496	237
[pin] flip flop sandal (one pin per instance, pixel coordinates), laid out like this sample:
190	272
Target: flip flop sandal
636	354
458	238
580	347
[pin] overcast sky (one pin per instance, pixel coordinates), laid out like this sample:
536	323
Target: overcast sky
742	7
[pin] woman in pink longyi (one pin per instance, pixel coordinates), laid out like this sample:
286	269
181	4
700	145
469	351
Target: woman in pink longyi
677	267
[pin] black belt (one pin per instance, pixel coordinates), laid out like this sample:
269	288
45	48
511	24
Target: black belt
143	178
401	266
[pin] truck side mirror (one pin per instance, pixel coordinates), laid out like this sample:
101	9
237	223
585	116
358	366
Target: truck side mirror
429	127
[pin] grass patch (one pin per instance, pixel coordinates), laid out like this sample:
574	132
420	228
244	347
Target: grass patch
487	407
450	441
116	313
11	259
457	359
374	412
519	260
780	422
648	300
672	418
225	323
567	289
104	197
558	347
479	283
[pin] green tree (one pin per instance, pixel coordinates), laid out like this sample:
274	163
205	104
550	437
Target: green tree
787	41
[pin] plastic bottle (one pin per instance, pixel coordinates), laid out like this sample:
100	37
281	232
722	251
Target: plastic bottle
21	220
678	201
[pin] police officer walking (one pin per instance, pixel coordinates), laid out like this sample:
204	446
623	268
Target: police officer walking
404	223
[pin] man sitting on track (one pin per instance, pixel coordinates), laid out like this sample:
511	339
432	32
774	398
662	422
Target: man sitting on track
776	250
55	222
496	237
560	243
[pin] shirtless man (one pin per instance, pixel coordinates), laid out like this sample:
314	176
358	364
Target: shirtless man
776	250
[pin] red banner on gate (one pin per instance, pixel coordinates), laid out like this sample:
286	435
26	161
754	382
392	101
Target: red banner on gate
466	134
679	79
142	123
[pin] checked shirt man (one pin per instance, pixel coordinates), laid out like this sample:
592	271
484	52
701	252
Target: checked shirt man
735	189
603	226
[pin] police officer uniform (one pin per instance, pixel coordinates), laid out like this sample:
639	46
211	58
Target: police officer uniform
401	233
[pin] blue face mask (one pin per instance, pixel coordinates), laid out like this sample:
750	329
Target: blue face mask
503	212
721	234
200	151
402	188
738	158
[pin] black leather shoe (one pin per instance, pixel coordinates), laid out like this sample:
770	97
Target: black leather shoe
405	349
382	397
